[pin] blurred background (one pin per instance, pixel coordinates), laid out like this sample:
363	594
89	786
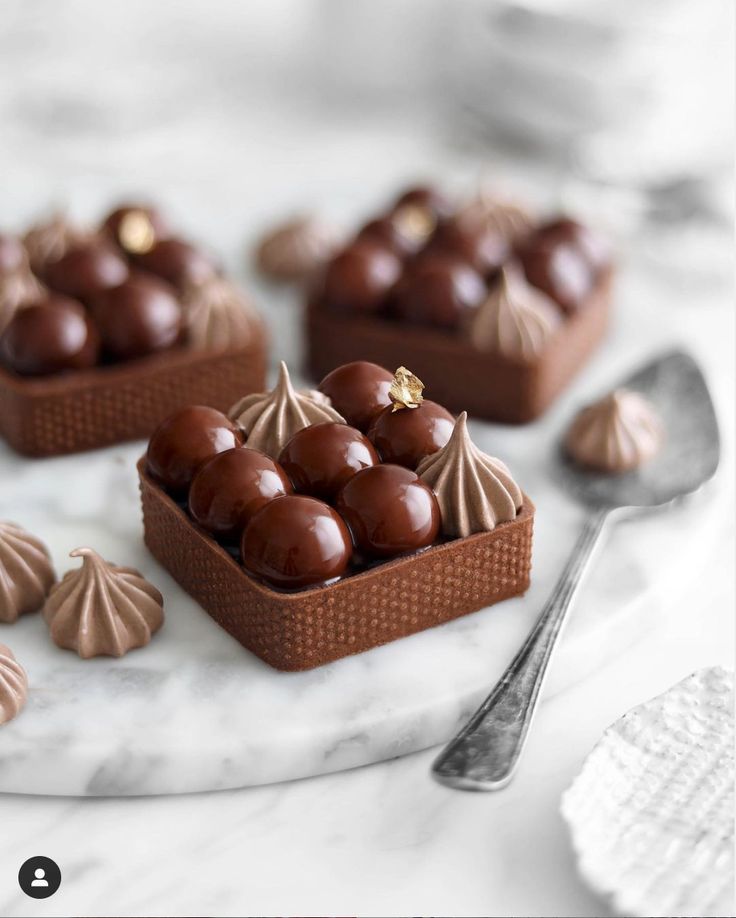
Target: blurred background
231	111
233	115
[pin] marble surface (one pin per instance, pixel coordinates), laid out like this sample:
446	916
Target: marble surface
194	711
381	840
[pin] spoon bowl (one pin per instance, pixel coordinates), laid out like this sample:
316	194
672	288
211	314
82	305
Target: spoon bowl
689	456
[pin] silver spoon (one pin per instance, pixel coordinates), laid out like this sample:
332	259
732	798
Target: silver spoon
484	755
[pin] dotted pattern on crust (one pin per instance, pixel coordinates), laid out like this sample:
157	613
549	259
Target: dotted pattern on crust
95	408
297	631
458	375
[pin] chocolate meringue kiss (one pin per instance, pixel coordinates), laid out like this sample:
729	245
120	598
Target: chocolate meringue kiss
516	320
295	250
475	492
26	572
101	609
13	685
21	288
270	419
217	315
51	239
616	434
504	216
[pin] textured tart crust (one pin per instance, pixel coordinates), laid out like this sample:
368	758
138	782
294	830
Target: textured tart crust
88	409
460	377
297	631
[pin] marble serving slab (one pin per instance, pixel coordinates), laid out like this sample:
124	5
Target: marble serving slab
195	711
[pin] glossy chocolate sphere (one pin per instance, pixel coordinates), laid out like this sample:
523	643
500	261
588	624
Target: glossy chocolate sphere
359	278
427	197
404	232
592	246
438	291
85	270
49	337
321	458
295	542
187	439
559	270
477	245
385	232
409	435
389	510
176	261
230	487
13	256
135	227
358	391
140	316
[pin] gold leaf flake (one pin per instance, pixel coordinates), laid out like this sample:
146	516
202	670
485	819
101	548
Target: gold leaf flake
406	390
136	233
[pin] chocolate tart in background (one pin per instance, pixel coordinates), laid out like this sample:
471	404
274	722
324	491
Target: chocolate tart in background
496	310
305	544
106	331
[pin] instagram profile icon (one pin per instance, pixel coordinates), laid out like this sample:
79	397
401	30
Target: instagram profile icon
39	877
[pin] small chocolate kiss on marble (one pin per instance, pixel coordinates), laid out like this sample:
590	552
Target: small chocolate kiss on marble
102	609
13	685
406	390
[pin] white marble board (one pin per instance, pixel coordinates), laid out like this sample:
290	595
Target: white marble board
195	711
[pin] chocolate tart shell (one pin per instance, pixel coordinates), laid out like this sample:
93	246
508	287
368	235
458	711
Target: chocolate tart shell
458	375
298	631
87	409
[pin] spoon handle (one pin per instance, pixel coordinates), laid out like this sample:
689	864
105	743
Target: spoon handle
485	752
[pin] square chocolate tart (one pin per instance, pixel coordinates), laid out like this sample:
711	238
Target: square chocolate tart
88	409
461	377
294	631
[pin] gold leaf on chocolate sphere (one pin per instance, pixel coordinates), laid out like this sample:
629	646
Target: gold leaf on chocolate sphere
414	222
137	233
406	390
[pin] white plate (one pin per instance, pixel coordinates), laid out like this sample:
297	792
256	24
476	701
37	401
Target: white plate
652	811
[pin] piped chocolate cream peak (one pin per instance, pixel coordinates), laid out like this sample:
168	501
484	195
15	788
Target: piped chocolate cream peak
101	609
516	320
475	491
270	419
504	216
218	315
